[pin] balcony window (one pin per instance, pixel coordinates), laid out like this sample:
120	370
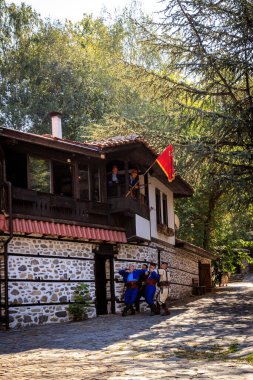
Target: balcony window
62	179
83	177
39	174
16	168
95	185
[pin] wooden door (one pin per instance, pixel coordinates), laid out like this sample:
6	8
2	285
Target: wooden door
105	294
205	275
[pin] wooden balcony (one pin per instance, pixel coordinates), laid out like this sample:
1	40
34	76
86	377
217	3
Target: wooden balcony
50	206
129	206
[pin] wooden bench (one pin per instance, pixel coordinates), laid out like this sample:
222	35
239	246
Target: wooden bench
197	290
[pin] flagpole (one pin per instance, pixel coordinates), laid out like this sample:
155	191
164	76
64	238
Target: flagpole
132	188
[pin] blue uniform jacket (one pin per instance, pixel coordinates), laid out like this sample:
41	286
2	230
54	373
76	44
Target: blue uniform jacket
136	274
154	276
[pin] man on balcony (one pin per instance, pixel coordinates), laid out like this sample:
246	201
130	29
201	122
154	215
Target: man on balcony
134	183
113	182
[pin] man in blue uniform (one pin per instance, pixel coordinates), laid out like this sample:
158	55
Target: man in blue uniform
141	290
150	287
131	277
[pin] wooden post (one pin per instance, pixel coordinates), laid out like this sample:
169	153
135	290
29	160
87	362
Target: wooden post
126	177
137	183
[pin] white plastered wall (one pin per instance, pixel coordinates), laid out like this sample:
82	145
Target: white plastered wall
142	227
154	184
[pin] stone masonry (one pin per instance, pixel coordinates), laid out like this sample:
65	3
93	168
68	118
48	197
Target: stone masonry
46	272
43	275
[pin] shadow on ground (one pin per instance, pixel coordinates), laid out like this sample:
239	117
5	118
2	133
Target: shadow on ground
217	313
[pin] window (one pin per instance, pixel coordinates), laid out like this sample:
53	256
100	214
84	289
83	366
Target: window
89	183
16	168
165	210
62	176
95	185
158	206
39	174
83	177
161	207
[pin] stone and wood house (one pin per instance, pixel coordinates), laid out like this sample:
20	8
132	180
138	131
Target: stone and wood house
62	225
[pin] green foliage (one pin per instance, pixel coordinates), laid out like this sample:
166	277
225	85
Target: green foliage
206	83
249	358
236	253
81	302
233	347
39	172
68	68
207	47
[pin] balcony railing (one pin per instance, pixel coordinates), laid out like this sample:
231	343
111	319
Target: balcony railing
46	205
131	205
33	204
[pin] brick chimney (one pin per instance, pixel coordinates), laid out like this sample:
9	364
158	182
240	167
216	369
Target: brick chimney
56	124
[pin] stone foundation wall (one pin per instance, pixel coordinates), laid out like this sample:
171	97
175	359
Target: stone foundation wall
183	268
137	252
38	314
29	246
46	272
50	268
43	292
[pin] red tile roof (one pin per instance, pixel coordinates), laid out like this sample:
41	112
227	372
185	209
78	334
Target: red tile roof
111	142
3	223
120	140
28	226
94	146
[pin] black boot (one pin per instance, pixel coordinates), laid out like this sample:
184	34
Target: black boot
124	313
132	310
137	306
153	309
165	309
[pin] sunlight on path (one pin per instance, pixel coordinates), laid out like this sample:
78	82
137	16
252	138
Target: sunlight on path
208	338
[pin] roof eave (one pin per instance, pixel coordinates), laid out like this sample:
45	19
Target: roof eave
51	142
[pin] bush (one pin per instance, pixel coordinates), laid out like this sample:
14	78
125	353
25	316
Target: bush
82	300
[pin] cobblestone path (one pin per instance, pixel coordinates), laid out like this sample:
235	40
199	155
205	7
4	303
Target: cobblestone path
207	338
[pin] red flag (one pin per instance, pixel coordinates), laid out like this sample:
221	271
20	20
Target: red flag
165	161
